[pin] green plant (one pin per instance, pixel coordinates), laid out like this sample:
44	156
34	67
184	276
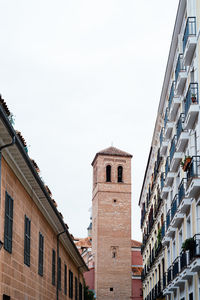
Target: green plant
188	244
159	236
88	294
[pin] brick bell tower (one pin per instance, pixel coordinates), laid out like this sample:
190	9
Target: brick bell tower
111	224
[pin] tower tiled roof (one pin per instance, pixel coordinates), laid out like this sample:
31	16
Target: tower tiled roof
112	151
135	244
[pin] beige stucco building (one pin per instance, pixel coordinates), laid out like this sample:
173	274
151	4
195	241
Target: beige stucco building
170	196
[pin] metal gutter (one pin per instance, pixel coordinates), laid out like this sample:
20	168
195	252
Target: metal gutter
37	178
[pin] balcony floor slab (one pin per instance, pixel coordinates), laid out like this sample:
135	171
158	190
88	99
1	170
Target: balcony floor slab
177	219
186	274
182	141
191	116
180	83
174	108
193	190
176	161
195	265
189	50
185	205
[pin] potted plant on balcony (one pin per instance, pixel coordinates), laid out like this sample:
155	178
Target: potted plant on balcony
193	98
159	236
188	244
186	162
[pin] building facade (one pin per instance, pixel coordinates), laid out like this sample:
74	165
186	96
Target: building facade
85	248
114	260
170	196
38	258
111	224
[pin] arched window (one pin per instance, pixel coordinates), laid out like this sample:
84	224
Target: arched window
108	173
120	174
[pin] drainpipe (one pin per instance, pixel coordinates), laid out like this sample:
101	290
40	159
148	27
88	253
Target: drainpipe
58	235
1	148
8	145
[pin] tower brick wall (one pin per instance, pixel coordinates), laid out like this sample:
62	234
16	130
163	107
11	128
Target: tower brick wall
111	230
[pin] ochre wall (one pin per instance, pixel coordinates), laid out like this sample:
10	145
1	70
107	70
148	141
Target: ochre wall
16	279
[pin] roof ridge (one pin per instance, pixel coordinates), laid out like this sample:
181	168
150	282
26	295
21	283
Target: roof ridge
112	151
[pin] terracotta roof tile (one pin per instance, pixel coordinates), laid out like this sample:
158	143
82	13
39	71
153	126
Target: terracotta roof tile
112	151
5	107
135	244
21	138
83	243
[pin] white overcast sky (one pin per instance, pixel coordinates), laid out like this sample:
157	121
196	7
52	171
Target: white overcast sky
79	75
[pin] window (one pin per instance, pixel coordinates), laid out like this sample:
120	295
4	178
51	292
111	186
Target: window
191	296
8	226
108	173
27	240
70	284
111	289
120	174
5	297
65	280
59	273
41	252
53	267
76	289
80	291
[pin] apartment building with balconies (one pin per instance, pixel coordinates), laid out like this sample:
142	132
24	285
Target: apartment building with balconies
170	195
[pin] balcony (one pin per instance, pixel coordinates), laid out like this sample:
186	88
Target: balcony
158	249
175	267
169	274
195	255
167	163
182	135
180	75
166	118
176	216
174	272
163	143
169	179
175	157
143	214
193	178
165	240
168	129
169	229
173	103
191	106
162	181
163	230
174	108
168	218
189	40
184	266
173	147
171	96
184	202
165	192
